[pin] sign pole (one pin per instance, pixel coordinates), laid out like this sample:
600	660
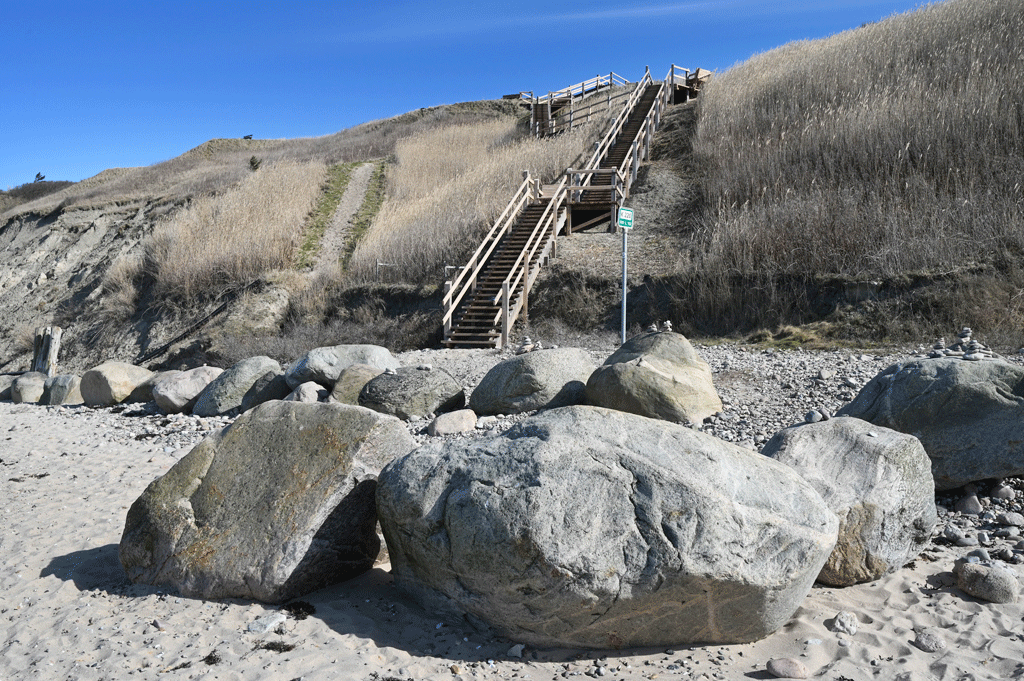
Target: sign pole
624	233
625	224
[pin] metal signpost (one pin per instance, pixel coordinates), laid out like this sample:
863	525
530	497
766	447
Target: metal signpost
625	224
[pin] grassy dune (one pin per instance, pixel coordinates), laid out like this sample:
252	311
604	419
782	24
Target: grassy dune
890	152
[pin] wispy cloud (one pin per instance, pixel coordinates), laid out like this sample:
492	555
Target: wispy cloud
471	24
475	20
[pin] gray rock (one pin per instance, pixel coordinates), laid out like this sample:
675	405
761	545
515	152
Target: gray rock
966	414
1003	491
587	527
144	391
267	623
845	622
929	640
969	505
788	668
28	388
410	392
324	365
1011	518
459	421
111	383
224	394
310	391
880	487
351	382
993	584
536	380
658	375
278	504
178	392
63	389
5	386
270	386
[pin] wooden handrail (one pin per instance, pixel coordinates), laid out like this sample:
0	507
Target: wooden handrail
588	85
466	280
540	238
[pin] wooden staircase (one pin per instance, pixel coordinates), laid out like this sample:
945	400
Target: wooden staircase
606	187
478	322
483	302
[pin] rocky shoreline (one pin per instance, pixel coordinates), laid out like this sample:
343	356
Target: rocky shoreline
71	472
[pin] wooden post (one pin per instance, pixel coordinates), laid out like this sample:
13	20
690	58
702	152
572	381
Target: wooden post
632	171
46	348
504	314
447	319
551	113
526	294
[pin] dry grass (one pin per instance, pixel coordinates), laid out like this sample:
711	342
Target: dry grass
221	163
219	242
892	149
446	188
120	294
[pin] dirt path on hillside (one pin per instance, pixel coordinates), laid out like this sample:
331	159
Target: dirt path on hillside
332	245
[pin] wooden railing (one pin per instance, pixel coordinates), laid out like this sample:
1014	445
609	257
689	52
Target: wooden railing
465	282
527	266
677	75
545	120
583	88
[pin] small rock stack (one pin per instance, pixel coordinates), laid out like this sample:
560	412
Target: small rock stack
964	346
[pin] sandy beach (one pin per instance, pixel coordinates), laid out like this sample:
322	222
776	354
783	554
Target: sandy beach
67	611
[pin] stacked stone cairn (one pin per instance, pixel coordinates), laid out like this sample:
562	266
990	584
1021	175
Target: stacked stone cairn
964	346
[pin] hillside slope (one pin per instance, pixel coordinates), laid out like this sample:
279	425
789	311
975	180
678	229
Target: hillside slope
84	255
869	184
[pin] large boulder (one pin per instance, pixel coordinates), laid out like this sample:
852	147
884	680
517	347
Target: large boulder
269	386
28	388
224	394
325	364
409	392
878	481
179	392
534	380
658	375
111	383
278	504
351	381
586	527
63	389
144	391
967	414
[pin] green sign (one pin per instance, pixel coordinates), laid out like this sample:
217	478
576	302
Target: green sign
626	218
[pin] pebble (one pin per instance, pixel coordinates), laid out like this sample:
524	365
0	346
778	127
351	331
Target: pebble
929	641
969	505
788	668
267	623
845	622
1003	491
1011	518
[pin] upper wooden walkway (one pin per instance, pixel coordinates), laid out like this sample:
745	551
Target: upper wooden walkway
483	302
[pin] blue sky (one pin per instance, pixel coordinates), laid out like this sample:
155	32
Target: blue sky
92	85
